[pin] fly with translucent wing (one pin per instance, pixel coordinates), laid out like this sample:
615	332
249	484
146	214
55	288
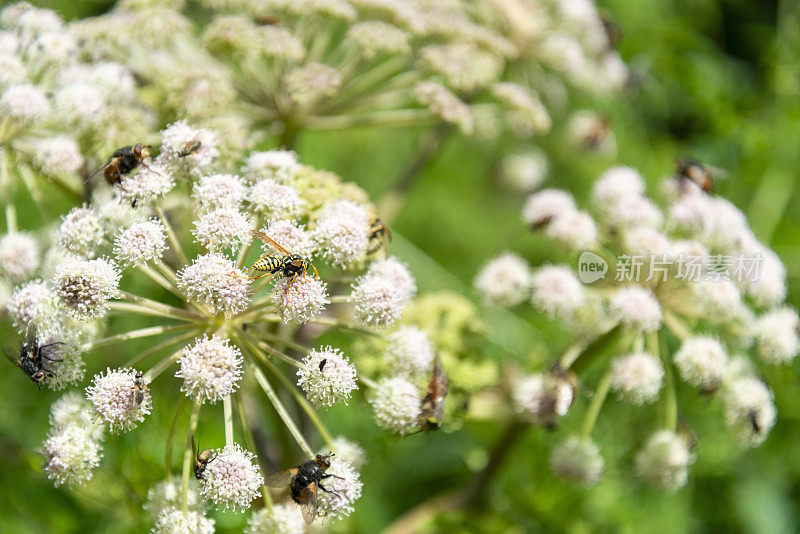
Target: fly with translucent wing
32	358
289	265
432	406
304	480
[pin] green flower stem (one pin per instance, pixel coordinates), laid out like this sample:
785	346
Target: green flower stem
670	394
677	326
169	311
367	381
160	280
157	348
173	240
142	310
227	410
171	435
251	444
8	195
600	395
263	346
187	455
166	270
303	403
161	366
602	345
284	415
571	354
288	343
135	334
340	299
328	321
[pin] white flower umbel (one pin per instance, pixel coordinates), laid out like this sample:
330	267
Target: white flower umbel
776	334
347	451
85	286
396	273
231	480
445	105
173	521
542	398
275	200
344	488
504	281
176	142
290	236
556	291
377	301
409	352
637	377
578	460
342	233
147	183
719	300
544	206
33	302
278	165
167	494
222	229
281	519
71	454
630	212
396	404
749	410
211	369
664	461
614	185
140	243
210	280
58	155
525	171
311	82
575	230
73	408
326	376
701	361
218	191
81	232
19	255
25	103
113	397
375	37
300	300
636	308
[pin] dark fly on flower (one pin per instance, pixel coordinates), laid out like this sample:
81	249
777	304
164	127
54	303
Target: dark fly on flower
201	459
190	148
123	161
139	387
303	481
432	406
322	364
691	171
289	265
32	358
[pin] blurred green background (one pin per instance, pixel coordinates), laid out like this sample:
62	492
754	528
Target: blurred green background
718	80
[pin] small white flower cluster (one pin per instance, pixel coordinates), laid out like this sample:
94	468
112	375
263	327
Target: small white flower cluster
211	369
72	449
231	480
380	295
327	376
120	399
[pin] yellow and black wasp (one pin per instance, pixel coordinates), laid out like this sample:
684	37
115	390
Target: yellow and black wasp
379	234
288	264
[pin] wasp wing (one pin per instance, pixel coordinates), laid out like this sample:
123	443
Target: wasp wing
310	507
281	478
12	355
269	241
